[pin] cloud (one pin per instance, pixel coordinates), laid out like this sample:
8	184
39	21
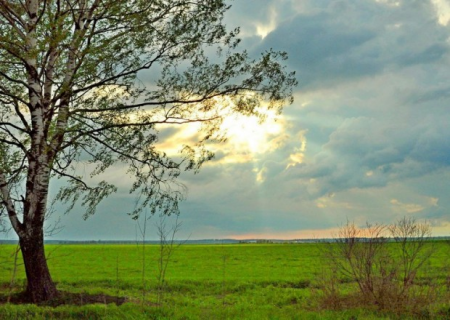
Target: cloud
345	40
442	8
298	156
433	144
257	18
406	207
366	152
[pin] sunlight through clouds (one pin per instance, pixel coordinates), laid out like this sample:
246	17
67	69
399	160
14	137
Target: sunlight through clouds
263	29
247	137
249	134
442	8
299	153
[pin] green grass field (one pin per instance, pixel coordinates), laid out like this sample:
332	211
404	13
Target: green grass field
273	281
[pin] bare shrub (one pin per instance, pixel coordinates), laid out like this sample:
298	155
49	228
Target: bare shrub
383	260
167	246
143	232
328	285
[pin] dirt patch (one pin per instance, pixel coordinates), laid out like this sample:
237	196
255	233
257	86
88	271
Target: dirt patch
65	298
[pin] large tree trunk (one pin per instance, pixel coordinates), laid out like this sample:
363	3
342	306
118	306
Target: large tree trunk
40	286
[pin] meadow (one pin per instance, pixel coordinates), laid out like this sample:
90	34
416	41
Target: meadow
244	281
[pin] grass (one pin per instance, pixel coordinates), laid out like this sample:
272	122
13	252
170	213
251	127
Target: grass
256	281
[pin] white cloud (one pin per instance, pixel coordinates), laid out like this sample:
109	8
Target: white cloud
264	28
406	207
442	8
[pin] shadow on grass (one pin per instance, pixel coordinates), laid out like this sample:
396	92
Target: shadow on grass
64	298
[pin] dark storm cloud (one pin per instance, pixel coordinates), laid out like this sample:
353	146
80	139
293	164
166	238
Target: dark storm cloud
365	153
433	145
320	48
343	40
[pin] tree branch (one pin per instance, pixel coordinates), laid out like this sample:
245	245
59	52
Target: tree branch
8	203
235	91
63	174
12	17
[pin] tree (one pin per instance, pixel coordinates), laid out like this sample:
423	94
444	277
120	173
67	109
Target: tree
72	89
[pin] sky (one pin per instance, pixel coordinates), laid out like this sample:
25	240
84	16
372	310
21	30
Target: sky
367	138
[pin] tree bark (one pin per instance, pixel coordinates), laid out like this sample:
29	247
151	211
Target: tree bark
40	286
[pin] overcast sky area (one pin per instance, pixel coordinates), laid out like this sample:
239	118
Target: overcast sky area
367	138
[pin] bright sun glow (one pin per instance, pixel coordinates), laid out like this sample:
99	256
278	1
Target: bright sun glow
248	134
247	137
